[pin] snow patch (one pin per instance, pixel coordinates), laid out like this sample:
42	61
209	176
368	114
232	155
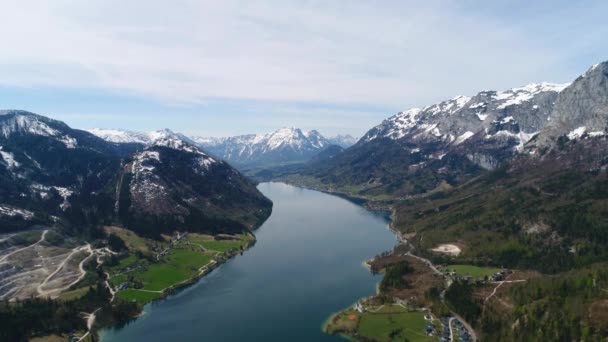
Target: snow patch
506	120
10	211
464	136
482	117
521	137
596	134
517	96
64	193
577	133
9	159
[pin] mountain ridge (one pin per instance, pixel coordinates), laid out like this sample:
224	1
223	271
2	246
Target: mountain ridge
52	174
422	149
285	145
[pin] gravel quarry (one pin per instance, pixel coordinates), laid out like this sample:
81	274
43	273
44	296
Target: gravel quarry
42	268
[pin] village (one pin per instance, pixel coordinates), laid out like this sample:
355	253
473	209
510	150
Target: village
404	312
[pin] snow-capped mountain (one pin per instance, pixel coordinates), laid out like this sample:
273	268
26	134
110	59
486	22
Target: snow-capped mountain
121	136
343	140
145	138
281	146
175	184
285	145
53	174
450	142
491	126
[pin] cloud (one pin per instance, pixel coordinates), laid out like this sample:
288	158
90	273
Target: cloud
339	52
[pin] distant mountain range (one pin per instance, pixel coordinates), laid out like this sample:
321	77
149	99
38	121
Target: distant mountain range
54	175
283	146
286	145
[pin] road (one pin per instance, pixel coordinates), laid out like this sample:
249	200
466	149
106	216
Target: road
449	282
450	321
42	292
426	261
466	325
42	237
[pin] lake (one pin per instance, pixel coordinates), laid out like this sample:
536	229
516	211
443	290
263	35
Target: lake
306	264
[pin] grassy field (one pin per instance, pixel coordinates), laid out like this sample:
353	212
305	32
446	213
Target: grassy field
183	262
180	265
133	241
473	271
122	263
379	325
219	245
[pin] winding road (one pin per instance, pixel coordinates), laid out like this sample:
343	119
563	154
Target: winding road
449	282
42	237
42	292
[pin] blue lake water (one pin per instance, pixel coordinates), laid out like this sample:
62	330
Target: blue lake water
306	264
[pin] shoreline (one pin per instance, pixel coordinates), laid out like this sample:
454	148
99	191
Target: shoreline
368	204
174	289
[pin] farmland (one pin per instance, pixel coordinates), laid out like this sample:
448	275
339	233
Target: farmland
168	264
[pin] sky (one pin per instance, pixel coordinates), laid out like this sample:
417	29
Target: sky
220	68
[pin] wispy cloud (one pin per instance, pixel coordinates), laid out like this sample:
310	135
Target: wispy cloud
351	52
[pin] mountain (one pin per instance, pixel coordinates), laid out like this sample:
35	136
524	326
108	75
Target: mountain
286	145
283	146
54	175
580	110
440	145
342	140
172	183
543	211
145	138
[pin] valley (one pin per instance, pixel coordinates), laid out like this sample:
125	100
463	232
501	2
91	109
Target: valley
497	230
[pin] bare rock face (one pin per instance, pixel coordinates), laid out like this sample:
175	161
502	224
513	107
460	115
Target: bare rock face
489	127
580	111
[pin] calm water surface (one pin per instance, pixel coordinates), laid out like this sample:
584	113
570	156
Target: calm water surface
306	264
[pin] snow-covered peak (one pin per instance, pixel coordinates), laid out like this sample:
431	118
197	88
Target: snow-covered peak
344	140
176	144
448	119
449	107
18	121
292	137
163	137
120	136
517	96
286	144
316	139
